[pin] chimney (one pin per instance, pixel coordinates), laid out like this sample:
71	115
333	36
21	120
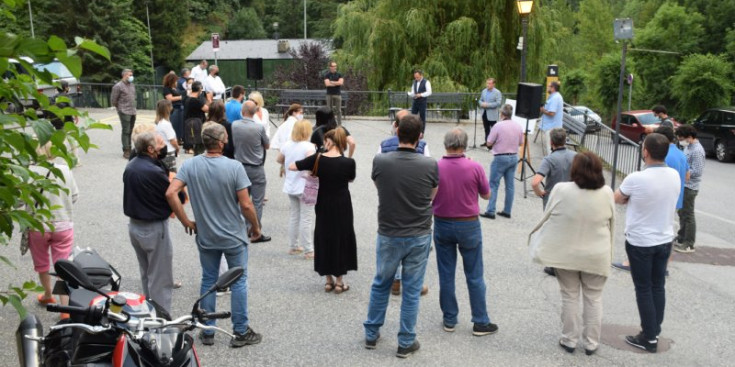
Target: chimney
283	46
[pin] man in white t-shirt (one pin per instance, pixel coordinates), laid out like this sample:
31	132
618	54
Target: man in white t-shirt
651	197
213	83
199	72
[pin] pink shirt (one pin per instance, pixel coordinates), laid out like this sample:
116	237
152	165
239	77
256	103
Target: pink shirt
506	136
460	182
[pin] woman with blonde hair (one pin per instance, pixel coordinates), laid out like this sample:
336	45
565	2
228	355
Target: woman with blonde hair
299	225
261	116
53	243
335	246
575	236
166	130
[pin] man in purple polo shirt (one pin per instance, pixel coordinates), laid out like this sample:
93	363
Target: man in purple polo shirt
505	138
457	227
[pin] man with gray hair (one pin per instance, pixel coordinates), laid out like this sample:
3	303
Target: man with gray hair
457	228
556	167
251	142
504	140
145	181
218	187
123	99
213	83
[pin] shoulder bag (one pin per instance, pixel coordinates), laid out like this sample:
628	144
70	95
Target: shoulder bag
311	187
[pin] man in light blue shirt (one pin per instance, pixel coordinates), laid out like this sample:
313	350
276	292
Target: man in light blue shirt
234	105
551	115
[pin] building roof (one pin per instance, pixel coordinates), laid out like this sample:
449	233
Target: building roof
243	49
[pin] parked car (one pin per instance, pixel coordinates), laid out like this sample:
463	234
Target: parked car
61	73
639	123
716	132
581	116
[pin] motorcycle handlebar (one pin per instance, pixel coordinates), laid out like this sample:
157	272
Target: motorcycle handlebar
77	310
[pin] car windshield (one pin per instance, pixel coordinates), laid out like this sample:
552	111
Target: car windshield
648	119
55	67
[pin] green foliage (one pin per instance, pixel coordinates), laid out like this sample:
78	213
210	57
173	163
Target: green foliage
574	85
167	20
24	130
673	28
701	82
719	18
605	79
457	43
245	25
595	19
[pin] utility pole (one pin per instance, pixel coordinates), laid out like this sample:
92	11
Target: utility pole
623	31
304	19
150	39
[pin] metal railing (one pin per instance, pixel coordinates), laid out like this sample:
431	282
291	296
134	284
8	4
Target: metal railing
600	139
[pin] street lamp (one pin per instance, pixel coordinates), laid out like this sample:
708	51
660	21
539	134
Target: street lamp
622	31
524	9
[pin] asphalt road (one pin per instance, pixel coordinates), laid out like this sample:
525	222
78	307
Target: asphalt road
303	326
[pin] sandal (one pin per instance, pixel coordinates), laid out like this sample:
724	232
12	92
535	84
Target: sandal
309	255
340	288
45	301
328	287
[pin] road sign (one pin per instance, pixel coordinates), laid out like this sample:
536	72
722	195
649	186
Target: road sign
630	79
215	42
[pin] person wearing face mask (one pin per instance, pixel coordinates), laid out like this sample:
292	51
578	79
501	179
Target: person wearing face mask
213	84
694	153
145	182
123	99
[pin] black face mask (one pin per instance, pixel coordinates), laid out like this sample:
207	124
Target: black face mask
163	152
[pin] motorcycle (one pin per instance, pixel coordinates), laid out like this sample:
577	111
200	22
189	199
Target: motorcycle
113	328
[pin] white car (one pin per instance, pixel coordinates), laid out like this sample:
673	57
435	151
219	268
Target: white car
578	113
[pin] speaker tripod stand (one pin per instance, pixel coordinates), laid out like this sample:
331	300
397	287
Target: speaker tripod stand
525	162
474	137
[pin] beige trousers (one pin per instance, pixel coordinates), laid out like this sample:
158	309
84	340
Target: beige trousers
545	142
591	286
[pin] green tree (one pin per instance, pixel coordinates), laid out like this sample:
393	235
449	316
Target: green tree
595	28
458	43
701	82
605	79
167	23
245	25
22	132
574	85
719	19
673	28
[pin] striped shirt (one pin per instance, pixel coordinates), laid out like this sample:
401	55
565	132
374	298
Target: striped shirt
695	158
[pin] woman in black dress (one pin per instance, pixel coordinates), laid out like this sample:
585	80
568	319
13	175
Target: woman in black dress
335	246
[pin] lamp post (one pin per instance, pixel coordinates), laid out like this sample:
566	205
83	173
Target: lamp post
304	19
623	31
524	9
150	39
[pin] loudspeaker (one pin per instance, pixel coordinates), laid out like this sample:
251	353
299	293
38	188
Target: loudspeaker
255	69
529	100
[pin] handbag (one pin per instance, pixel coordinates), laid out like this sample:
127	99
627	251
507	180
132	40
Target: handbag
311	186
25	237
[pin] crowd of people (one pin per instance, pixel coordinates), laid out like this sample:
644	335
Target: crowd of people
421	201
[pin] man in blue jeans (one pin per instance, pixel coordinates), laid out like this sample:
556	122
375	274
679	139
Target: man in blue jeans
651	197
218	188
504	140
457	227
406	183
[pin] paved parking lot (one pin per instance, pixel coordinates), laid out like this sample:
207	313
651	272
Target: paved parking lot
303	326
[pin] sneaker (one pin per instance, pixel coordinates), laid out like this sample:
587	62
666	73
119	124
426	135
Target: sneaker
207	339
569	350
549	271
621	266
639	341
482	330
448	328
371	344
684	249
249	338
487	215
407	351
424	290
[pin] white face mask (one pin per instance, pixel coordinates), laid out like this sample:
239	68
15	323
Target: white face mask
299	117
130	79
683	143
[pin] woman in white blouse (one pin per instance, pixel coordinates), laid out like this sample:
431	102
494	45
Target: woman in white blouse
575	236
261	116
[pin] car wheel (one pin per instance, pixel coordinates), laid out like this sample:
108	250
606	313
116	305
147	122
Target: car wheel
721	152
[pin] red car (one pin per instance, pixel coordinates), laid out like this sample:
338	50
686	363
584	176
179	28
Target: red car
637	124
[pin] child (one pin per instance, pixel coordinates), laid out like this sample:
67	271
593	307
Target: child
164	127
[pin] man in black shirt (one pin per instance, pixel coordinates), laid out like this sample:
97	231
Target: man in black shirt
144	200
334	81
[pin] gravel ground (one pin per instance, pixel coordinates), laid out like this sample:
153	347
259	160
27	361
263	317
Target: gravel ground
304	326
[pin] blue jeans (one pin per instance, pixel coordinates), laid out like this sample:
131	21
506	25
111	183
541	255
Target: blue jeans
391	251
503	166
648	269
449	236
210	260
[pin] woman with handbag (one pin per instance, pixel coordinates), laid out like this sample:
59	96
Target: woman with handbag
335	245
59	240
575	236
301	208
